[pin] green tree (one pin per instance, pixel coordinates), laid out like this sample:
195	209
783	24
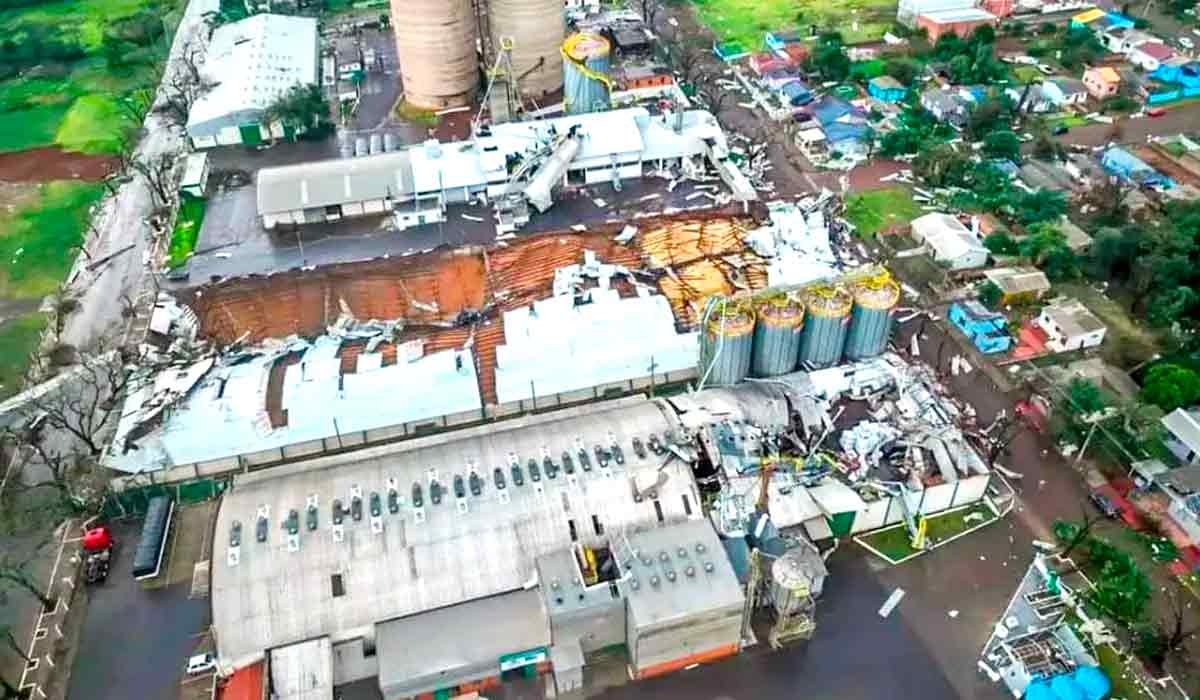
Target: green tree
830	57
1002	144
1170	306
905	70
1121	589
989	294
1112	252
301	107
1039	206
1002	244
941	165
987	116
960	68
1170	386
1042	239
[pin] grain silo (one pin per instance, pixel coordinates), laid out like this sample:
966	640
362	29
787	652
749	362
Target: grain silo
871	318
728	340
435	45
780	318
536	29
827	318
586	84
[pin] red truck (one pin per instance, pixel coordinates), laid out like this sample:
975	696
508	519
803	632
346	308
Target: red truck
97	554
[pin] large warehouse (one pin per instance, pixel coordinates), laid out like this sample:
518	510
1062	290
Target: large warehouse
556	533
251	63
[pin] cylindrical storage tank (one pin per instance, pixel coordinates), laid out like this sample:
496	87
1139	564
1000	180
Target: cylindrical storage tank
871	318
791	587
586	84
536	29
827	318
435	45
389	142
376	143
729	339
779	321
360	146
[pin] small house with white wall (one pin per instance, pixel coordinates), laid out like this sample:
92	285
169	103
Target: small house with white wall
1182	488
949	242
1069	325
1183	434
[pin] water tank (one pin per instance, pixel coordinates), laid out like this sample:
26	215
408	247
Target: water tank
435	45
780	318
536	29
871	318
791	583
586	82
827	318
728	339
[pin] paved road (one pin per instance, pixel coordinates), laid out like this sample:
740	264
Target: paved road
1182	119
135	642
122	225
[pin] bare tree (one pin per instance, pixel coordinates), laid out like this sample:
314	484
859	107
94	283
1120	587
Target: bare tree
650	10
183	84
158	172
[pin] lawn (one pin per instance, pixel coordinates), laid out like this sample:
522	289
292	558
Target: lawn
1123	685
84	20
875	210
895	543
38	242
187	229
95	124
745	21
19	338
29	128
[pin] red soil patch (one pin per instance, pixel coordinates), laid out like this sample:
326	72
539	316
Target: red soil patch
45	164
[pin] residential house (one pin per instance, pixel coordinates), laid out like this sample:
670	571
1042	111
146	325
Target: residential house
961	22
1064	92
946	105
988	330
638	77
1149	55
1180	70
949	241
1018	284
885	88
1087	18
779	41
1102	82
1069	325
1128	167
1181	486
1077	239
1183	434
1131	38
763	63
252	62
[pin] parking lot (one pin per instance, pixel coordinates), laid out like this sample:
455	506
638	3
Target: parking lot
138	639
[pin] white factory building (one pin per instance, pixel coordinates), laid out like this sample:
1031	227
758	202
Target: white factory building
416	183
251	63
495	549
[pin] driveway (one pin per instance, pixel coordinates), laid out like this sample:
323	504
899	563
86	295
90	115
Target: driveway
135	642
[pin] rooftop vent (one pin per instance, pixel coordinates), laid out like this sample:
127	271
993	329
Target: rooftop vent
654	581
708	567
671	576
690	572
568	463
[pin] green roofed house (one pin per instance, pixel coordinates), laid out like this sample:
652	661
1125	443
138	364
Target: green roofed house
885	88
252	63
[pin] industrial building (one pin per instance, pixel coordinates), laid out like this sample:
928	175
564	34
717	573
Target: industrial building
420	181
423	540
251	64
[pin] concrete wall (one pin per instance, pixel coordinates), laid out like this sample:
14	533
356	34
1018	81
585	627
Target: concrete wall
350	663
595	628
682	643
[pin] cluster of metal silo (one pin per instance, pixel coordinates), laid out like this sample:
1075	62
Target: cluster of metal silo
435	45
728	337
536	29
776	334
825	329
871	318
586	65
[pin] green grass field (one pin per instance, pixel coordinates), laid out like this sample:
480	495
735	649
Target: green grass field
875	210
83	19
19	338
187	229
895	543
38	242
30	128
746	21
95	124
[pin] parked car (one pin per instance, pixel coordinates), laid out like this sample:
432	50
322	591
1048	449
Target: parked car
1105	505
1186	43
1156	111
201	663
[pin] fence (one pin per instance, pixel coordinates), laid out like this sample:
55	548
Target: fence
132	502
1166	96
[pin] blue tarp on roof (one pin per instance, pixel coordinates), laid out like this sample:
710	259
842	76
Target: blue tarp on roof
840	131
829	109
1129	167
1093	681
1186	74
